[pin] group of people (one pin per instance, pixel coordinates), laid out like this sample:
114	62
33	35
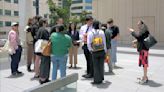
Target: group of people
98	41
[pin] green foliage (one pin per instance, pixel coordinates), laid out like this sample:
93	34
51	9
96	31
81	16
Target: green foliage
58	12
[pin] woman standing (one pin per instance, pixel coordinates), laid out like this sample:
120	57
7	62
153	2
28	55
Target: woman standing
143	51
96	43
74	34
45	60
29	42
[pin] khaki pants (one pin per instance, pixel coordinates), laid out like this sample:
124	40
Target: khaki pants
73	54
30	54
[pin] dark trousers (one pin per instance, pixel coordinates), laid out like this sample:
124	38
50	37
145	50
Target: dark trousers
88	57
15	59
45	67
98	65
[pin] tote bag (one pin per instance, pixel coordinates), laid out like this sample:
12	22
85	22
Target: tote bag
47	49
150	41
39	45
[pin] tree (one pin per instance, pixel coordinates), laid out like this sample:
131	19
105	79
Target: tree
59	12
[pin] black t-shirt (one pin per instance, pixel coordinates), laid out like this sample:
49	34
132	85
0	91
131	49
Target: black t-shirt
115	31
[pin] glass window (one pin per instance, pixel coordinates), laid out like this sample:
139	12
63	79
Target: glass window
1	12
1	23
8	12
16	1
8	1
88	1
16	13
74	8
77	1
88	7
7	23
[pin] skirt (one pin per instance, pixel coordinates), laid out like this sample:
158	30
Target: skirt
143	58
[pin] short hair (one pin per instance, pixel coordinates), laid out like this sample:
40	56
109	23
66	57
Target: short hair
60	27
88	18
96	24
110	21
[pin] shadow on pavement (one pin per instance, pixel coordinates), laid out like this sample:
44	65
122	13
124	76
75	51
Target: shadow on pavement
118	67
15	76
109	73
152	83
77	68
104	85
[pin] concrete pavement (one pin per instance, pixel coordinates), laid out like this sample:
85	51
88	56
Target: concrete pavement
123	80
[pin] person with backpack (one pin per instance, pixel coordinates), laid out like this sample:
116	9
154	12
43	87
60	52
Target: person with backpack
141	48
96	43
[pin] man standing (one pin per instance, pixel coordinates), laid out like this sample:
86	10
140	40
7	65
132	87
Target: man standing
15	48
114	37
83	35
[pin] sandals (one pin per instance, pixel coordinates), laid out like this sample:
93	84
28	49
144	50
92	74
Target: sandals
142	80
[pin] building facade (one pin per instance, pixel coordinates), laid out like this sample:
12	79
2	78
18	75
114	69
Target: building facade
126	13
78	6
9	12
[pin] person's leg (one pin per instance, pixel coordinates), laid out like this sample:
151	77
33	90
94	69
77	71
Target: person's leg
19	57
55	64
101	65
29	56
113	51
87	57
95	67
145	63
44	68
13	63
62	65
110	62
75	51
37	66
70	56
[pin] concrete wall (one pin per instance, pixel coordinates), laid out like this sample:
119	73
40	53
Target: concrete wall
126	13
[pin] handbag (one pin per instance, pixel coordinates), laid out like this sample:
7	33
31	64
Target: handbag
7	48
149	41
47	49
39	45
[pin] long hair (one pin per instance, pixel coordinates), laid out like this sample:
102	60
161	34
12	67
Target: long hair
70	29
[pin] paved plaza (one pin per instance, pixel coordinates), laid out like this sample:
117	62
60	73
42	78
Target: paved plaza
124	78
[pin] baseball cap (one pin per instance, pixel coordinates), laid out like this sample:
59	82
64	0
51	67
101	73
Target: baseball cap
14	24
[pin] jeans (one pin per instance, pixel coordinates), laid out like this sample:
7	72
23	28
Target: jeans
15	59
113	51
59	62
